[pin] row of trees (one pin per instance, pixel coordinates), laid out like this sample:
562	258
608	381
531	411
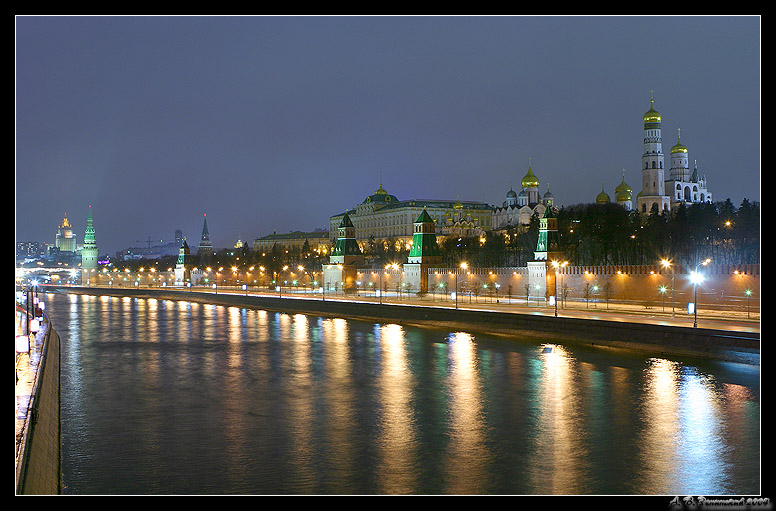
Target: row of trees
607	234
590	234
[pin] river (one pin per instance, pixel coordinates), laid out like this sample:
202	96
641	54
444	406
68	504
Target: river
175	397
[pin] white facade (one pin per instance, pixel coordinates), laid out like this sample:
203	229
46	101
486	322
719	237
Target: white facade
680	186
684	185
518	208
382	216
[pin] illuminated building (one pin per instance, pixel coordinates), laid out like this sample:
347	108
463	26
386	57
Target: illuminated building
345	260
683	185
383	217
183	265
680	186
65	239
317	241
424	254
518	208
89	251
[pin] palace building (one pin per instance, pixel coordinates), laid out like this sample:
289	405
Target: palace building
383	217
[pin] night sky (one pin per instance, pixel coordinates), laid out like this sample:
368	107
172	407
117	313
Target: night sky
277	123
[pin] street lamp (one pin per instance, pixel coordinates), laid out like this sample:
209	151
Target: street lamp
463	266
557	266
667	264
696	279
748	293
662	290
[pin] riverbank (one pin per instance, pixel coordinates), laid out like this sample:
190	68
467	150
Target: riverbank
38	438
649	337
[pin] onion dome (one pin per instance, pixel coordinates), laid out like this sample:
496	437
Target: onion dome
603	197
530	181
511	193
678	148
548	194
652	117
623	192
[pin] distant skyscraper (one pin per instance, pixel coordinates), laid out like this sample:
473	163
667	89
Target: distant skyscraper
65	240
89	252
205	249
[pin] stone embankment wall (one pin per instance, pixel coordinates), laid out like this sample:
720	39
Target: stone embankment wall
656	339
39	468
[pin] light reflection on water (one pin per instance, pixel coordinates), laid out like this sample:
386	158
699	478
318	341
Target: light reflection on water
178	397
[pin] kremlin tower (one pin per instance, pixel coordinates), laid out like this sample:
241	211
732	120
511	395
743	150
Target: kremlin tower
205	249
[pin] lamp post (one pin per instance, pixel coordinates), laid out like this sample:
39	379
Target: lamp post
696	279
557	266
463	266
667	264
748	293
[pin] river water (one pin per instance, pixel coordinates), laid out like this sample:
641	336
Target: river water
166	397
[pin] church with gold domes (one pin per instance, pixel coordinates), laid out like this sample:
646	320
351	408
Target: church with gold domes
518	208
623	195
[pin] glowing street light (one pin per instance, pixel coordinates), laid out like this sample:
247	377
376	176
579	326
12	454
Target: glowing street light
557	266
667	264
464	266
696	279
748	293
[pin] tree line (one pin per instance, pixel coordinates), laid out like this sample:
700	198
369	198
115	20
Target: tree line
607	234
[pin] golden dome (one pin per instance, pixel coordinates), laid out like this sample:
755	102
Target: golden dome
530	181
603	197
652	116
623	192
678	148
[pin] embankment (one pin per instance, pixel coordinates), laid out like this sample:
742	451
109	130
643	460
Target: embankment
38	470
651	338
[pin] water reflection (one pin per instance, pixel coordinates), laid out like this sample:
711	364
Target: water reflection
560	443
397	441
466	459
166	397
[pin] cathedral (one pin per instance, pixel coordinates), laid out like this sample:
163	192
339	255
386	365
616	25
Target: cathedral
518	208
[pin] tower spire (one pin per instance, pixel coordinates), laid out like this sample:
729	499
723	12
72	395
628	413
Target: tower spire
205	247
